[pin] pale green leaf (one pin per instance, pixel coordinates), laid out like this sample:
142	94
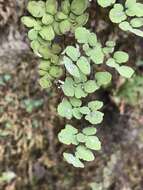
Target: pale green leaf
76	113
92	142
81	79
125	26
64	26
28	21
81	34
79	6
65	6
90	86
97	55
75	102
71	129
67	135
110	43
33	34
81	137
83	153
125	71
68	87
105	3
95	105
82	19
89	131
65	109
103	78
95	117
73	160
51	6
45	82
92	39
84	110
71	68
84	65
112	63
55	71
72	52
136	22
79	92
47	33
36	8
44	65
121	56
47	19
60	16
117	13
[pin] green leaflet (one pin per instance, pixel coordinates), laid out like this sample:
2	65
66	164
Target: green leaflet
44	65
103	78
83	153
81	137
136	22
64	26
110	43
92	39
65	109
105	3
47	19
117	13
71	159
65	6
36	9
71	68
67	135
72	52
47	33
82	19
45	82
55	71
81	35
93	143
89	131
28	21
75	102
79	91
76	113
84	110
51	6
121	57
97	55
79	6
33	34
125	71
95	117
95	105
68	87
90	86
130	3
125	26
84	65
112	63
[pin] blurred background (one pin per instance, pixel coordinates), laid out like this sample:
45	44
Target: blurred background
30	154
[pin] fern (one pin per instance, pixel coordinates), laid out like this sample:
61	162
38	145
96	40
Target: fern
81	63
